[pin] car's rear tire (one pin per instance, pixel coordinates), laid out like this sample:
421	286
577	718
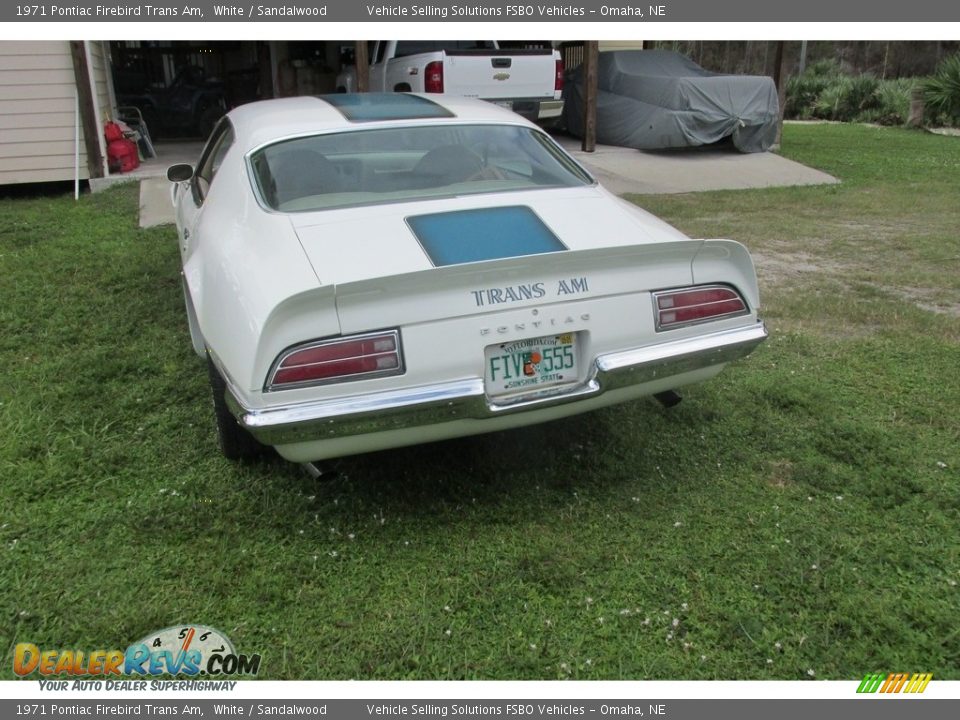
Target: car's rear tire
235	442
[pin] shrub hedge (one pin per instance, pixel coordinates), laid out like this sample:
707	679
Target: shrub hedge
824	92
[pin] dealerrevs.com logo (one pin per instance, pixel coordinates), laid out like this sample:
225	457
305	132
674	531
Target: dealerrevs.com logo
189	650
894	683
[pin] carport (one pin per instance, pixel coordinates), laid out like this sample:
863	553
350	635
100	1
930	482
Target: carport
620	170
262	69
576	53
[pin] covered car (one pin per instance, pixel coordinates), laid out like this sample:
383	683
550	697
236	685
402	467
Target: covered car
655	99
369	271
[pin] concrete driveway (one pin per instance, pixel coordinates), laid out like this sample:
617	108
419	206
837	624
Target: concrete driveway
621	170
682	170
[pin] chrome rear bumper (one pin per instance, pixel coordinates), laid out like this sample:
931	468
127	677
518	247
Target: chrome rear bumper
466	399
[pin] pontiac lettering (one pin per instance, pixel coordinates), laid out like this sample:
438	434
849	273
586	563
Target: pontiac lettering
527	291
544	324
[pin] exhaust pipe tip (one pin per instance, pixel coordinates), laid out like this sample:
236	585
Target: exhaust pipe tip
668	398
320	470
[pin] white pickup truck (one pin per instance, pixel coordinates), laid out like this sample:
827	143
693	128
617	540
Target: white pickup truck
527	81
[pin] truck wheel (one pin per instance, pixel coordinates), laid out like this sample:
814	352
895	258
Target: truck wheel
235	442
402	87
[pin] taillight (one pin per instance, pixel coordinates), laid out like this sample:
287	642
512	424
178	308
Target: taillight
686	306
358	357
558	77
433	77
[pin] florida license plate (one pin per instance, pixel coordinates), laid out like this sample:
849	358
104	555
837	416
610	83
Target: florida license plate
528	365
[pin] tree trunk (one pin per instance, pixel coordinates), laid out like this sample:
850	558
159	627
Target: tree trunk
780	80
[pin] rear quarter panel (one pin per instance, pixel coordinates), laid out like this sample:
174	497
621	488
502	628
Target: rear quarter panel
727	261
244	266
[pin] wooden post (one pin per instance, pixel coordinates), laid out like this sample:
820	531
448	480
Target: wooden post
264	63
361	62
780	81
915	119
81	73
591	52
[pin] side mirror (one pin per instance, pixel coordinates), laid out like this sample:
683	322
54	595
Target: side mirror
181	172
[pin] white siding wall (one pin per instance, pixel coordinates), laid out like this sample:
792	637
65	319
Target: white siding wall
610	45
99	71
37	110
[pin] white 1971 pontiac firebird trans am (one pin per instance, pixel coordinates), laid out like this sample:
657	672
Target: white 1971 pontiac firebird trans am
371	271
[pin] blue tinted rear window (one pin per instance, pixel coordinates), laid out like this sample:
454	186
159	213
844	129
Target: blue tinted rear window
371	107
464	236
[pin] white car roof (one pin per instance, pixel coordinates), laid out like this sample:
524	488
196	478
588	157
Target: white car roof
260	123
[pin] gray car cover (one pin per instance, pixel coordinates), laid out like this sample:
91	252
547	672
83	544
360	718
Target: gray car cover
653	99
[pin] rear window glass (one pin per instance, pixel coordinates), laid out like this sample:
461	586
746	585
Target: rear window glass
416	47
367	167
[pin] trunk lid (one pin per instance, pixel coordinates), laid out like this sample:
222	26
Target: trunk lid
377	241
384	276
498	286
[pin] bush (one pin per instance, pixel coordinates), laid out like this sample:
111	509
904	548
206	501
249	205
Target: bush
803	91
893	97
848	98
802	94
830	104
824	68
824	92
862	95
942	92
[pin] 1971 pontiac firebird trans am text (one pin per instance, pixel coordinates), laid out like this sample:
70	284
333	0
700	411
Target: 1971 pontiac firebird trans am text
369	271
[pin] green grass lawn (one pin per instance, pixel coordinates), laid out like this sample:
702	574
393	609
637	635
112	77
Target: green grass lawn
797	517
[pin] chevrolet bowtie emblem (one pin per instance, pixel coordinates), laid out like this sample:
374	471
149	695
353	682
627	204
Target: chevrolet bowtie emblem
501	76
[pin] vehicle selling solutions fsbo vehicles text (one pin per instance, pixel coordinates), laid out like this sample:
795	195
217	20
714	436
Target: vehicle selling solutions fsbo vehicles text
475	11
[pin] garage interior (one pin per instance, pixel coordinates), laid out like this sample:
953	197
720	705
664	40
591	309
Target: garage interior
181	73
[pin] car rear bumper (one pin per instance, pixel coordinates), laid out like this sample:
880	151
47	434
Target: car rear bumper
467	400
533	109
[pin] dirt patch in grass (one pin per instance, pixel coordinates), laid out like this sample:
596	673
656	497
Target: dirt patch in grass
796	269
925	298
775	268
779	473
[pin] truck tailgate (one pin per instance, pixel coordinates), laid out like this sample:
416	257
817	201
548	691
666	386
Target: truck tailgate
493	74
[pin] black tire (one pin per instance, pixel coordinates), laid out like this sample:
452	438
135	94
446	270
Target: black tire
235	442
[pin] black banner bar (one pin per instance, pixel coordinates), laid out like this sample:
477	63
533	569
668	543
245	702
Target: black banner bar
893	11
650	709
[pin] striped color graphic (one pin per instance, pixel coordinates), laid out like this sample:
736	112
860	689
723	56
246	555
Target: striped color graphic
894	683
